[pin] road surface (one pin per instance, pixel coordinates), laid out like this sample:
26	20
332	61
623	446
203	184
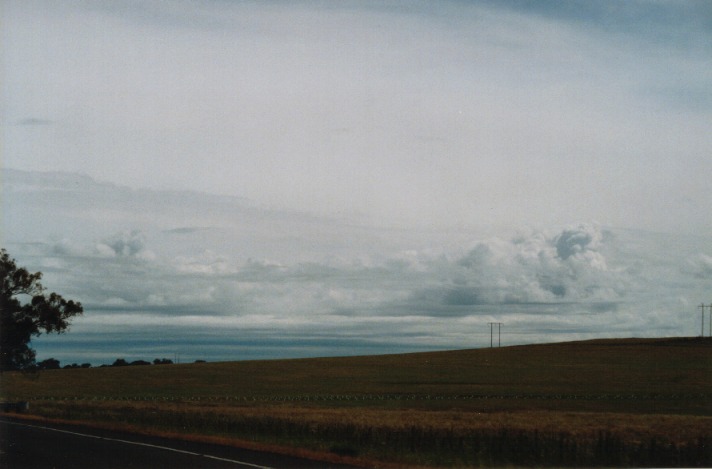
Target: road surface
28	444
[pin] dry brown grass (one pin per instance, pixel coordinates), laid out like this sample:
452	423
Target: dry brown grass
606	402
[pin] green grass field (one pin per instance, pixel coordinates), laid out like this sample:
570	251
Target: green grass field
604	402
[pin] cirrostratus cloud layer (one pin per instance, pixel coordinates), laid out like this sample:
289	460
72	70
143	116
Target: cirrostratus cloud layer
440	114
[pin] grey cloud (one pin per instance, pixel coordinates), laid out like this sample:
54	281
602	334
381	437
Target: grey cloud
699	266
477	257
552	285
186	230
571	242
128	244
461	296
34	121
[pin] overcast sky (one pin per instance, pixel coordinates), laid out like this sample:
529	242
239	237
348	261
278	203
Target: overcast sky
429	160
426	112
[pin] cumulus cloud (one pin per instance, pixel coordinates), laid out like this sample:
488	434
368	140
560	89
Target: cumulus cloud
532	268
129	244
576	241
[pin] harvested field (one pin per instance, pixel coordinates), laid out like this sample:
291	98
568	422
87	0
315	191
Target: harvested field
607	402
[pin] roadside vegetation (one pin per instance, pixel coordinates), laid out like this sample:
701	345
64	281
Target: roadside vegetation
633	402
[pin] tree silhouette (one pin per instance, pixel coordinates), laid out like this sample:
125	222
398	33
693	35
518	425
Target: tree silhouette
20	322
49	364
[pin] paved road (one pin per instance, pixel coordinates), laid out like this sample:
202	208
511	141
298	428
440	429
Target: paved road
25	444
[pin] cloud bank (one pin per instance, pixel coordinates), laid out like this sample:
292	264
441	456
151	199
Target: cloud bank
216	278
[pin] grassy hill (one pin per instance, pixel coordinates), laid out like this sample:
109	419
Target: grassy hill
625	392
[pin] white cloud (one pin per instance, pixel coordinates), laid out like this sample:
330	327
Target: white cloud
115	302
127	244
206	263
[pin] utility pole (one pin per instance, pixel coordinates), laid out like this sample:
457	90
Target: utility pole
710	321
702	316
499	333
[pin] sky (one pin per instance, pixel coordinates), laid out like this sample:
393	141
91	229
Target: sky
229	180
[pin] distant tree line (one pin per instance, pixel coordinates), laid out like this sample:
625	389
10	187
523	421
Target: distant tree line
53	364
157	361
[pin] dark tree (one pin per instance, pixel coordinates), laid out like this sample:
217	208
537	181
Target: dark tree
49	364
162	361
21	320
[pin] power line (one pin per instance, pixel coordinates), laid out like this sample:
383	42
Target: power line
702	318
499	333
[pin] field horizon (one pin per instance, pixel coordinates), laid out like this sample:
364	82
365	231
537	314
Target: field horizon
614	402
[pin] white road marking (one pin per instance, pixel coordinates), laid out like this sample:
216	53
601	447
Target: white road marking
236	462
148	445
138	443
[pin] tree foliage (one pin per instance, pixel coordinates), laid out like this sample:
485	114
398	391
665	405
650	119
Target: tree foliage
22	320
120	362
48	364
